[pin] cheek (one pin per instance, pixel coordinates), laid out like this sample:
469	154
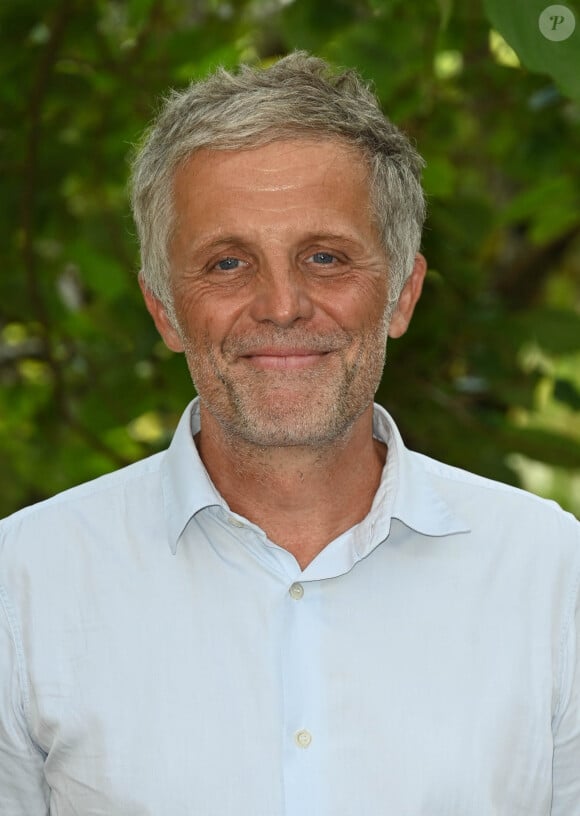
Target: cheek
204	317
360	308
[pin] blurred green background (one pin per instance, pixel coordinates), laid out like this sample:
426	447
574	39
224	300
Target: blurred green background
488	376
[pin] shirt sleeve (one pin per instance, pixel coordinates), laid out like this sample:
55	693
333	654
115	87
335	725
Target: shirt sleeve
23	789
566	760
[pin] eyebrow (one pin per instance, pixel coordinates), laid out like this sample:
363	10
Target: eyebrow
215	243
330	236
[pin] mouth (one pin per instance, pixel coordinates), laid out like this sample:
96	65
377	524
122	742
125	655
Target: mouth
291	360
285	359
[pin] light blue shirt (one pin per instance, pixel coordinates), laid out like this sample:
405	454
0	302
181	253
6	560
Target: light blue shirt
159	656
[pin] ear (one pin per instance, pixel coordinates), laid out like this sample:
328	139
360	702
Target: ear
408	298
161	319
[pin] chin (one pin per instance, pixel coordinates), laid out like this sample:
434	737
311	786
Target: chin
286	424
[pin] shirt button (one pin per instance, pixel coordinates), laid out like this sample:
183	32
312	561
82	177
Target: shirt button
236	522
296	591
303	738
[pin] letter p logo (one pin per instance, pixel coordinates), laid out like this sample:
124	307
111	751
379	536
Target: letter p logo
557	23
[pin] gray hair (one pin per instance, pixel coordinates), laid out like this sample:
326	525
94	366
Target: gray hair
299	95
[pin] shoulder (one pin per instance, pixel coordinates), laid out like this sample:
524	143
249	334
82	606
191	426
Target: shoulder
487	510
494	505
101	500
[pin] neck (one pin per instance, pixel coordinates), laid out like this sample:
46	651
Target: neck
302	497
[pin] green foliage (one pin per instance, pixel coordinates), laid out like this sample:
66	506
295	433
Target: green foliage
488	377
518	22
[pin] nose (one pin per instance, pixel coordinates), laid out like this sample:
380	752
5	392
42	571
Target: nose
281	295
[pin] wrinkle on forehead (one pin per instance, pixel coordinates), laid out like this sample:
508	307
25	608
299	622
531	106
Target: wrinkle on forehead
265	161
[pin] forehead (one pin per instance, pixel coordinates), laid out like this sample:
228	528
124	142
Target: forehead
277	153
286	176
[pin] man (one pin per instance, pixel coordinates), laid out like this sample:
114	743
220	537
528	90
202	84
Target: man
287	612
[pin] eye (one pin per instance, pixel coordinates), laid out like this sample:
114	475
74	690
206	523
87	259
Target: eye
227	264
323	258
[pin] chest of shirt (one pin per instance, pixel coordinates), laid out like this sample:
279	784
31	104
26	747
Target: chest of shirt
420	682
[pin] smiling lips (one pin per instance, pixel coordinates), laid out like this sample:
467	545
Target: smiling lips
284	358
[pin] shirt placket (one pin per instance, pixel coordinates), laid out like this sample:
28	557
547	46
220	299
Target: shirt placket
302	673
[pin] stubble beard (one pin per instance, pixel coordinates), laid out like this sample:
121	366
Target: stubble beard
309	408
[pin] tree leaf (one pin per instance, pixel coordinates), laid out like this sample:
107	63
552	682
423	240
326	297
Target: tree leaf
518	23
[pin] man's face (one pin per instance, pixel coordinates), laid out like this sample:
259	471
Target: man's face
280	289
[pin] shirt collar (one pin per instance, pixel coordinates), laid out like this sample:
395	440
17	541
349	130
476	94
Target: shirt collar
407	491
187	487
